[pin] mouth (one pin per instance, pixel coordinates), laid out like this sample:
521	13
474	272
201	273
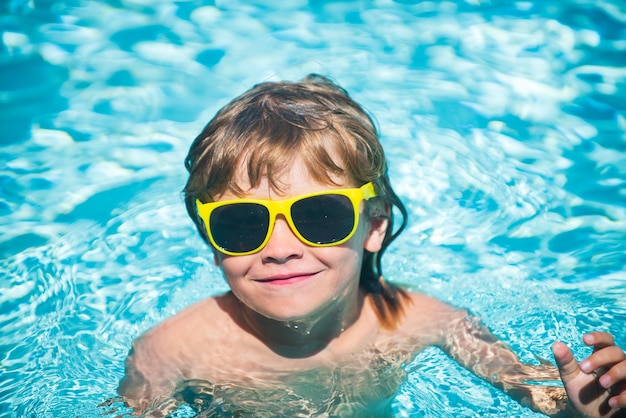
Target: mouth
286	279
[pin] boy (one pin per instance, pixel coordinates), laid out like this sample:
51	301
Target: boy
288	185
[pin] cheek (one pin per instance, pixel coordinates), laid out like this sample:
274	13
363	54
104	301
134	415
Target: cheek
350	263
233	267
348	257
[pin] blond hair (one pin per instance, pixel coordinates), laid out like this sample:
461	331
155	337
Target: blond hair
263	129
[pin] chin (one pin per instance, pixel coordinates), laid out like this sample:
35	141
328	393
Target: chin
284	315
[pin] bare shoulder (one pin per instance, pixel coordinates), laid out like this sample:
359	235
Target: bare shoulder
428	318
166	353
428	305
201	318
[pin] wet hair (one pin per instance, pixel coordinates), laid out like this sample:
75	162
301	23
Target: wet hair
257	136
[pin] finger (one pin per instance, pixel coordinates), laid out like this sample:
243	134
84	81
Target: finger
598	339
565	361
615	378
618	401
603	358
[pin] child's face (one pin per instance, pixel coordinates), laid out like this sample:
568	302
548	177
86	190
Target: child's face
289	280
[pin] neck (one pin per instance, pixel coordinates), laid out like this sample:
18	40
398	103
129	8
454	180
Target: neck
303	337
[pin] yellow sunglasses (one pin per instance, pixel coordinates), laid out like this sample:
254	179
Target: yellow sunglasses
320	219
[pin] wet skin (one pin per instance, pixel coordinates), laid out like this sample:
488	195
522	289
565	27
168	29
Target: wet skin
296	310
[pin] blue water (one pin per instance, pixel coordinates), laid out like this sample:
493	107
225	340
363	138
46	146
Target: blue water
504	123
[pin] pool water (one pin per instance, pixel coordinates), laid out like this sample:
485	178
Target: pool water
504	123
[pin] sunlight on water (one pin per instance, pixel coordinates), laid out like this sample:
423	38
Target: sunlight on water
503	121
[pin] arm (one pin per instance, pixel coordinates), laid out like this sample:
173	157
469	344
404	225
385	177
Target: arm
149	379
473	346
134	388
595	387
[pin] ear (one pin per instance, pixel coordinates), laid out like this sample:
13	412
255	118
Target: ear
378	223
378	229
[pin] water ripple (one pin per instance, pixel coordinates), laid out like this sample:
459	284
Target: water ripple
504	123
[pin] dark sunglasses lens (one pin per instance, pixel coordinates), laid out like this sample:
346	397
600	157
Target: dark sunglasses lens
323	219
240	227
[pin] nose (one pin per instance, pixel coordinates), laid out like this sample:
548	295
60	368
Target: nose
283	244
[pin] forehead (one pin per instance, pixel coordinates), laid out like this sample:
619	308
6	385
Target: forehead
292	179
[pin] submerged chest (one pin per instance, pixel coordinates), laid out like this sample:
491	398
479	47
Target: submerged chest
361	388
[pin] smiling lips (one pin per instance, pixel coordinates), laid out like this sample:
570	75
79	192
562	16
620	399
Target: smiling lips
286	279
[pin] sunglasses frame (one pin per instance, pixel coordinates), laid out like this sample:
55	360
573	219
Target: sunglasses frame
283	207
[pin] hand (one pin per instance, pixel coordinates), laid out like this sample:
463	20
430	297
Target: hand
597	386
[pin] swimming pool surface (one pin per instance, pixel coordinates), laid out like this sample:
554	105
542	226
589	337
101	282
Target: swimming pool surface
504	123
